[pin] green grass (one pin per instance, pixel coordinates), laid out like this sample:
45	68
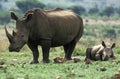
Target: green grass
17	67
16	64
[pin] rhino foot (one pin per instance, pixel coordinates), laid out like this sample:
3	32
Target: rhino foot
46	61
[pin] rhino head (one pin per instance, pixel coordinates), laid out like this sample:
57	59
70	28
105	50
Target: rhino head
107	51
20	35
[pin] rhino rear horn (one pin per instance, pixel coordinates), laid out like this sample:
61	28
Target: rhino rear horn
113	45
9	36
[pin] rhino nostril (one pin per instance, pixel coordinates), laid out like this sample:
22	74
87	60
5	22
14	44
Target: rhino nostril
17	48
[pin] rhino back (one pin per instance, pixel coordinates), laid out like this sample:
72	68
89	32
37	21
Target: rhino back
65	26
60	26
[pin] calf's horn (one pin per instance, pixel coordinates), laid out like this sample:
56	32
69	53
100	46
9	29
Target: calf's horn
9	36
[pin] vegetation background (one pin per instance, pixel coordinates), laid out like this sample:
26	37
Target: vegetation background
101	22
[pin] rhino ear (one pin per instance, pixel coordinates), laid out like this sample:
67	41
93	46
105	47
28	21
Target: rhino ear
29	17
13	16
113	45
103	44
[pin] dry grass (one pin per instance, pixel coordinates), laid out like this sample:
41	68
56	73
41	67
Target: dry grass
3	40
101	22
3	45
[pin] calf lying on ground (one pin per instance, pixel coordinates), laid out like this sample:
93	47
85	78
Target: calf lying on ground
100	52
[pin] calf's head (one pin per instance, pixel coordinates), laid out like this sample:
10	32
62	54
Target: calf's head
20	35
107	51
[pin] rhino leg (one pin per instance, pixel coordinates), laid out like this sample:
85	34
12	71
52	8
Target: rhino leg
46	44
35	52
88	53
69	50
45	51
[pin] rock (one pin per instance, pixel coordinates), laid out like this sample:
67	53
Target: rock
103	69
71	75
88	61
58	77
59	60
76	60
117	76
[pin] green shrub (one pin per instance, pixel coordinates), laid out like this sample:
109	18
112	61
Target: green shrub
29	4
109	33
108	11
93	10
78	9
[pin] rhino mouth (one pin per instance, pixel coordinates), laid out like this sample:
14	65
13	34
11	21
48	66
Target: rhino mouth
17	49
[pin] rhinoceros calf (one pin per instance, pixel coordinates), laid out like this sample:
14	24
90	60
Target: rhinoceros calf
100	52
52	28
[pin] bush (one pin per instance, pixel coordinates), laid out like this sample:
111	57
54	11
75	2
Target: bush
110	33
93	10
108	11
78	9
118	10
29	4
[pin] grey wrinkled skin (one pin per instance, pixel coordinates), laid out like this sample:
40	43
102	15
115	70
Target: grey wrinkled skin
48	29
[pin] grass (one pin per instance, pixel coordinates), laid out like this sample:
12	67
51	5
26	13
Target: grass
16	67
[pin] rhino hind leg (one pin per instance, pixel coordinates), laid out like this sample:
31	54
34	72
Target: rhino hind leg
88	53
68	48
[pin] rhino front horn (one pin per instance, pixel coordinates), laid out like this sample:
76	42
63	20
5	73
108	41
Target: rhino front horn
9	36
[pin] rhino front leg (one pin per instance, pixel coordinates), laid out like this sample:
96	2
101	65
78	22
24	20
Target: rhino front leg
45	50
34	49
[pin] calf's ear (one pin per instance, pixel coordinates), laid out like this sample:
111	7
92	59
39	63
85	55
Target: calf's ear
103	44
13	16
113	45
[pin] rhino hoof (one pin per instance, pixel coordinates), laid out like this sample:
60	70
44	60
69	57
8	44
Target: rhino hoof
46	61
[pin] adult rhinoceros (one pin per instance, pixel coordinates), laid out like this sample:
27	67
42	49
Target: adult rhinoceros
52	28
